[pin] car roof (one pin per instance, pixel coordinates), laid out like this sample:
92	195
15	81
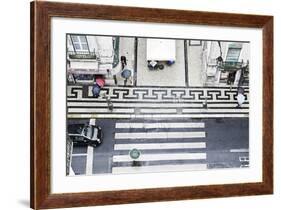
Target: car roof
78	127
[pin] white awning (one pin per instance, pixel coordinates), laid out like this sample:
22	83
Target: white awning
161	49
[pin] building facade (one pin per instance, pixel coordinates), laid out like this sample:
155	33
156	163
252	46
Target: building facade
225	63
88	56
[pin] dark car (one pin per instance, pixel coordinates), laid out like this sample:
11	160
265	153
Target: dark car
85	134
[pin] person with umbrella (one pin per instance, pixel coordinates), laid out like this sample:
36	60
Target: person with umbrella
100	82
126	74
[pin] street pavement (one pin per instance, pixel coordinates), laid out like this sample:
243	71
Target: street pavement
175	123
174	128
167	145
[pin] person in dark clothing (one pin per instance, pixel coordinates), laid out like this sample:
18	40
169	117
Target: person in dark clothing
96	90
123	61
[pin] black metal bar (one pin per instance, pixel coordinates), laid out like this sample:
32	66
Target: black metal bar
136	61
186	63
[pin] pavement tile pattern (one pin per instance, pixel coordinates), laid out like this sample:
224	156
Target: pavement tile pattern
155	102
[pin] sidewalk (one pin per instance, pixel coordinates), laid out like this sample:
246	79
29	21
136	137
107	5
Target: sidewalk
126	48
153	103
194	60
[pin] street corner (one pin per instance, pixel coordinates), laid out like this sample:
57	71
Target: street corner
145	105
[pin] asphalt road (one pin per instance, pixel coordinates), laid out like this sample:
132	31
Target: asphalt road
226	140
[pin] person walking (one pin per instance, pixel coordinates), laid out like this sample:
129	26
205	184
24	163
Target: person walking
96	90
123	61
240	97
100	82
109	103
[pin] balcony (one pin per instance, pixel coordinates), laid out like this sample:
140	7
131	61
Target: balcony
84	63
229	66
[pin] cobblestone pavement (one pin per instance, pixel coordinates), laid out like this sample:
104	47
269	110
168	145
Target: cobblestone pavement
150	102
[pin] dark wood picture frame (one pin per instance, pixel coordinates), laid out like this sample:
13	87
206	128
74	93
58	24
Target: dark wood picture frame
41	14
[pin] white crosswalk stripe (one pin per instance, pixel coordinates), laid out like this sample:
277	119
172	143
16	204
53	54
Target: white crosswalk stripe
88	107
159	135
210	110
165	156
158	168
239	150
160	125
134	104
185	149
226	105
159	146
157	116
89	162
158	110
99	110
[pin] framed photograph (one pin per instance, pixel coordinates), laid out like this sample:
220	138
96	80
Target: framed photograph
136	105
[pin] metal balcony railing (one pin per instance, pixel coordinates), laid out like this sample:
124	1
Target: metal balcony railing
229	66
82	55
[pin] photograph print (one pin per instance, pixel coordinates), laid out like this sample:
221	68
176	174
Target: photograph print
148	105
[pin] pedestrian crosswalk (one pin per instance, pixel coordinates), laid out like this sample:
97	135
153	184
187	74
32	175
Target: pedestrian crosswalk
164	146
148	102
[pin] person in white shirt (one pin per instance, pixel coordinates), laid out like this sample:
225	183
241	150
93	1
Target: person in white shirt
240	97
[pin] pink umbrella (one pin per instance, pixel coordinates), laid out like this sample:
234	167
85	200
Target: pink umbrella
100	81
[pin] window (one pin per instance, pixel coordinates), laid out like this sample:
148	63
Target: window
80	43
233	53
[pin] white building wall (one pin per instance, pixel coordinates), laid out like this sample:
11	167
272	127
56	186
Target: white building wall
213	51
69	44
92	43
224	49
245	52
105	49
